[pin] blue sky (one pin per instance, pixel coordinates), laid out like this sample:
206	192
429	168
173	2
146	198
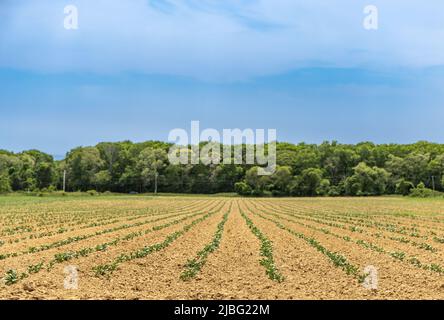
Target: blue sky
138	69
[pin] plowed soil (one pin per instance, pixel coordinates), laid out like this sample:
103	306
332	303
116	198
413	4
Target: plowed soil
138	247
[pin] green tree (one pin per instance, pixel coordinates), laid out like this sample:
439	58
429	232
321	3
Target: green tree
150	163
257	183
415	166
82	165
324	187
339	162
102	180
242	189
44	174
436	169
226	175
367	181
281	179
5	185
308	182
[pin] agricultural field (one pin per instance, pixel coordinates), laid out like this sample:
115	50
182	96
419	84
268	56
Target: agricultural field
140	247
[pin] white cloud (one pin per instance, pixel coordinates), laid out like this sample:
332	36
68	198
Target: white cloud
218	40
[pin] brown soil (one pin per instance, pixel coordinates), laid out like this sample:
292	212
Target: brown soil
233	270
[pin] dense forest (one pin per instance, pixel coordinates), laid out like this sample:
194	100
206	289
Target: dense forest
329	168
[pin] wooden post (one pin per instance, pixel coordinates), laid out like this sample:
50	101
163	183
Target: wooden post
64	180
155	182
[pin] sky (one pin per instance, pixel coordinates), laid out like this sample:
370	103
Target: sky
135	70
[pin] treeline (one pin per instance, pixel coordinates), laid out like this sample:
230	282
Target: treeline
330	168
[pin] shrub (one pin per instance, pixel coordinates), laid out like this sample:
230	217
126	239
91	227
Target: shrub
334	191
242	189
422	192
324	187
92	192
50	189
267	193
257	193
404	187
278	193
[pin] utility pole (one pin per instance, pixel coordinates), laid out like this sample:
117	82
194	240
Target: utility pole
155	182
64	180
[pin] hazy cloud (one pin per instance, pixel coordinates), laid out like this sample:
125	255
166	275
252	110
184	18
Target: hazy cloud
218	40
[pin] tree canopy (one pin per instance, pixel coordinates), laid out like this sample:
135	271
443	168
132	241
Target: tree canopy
302	169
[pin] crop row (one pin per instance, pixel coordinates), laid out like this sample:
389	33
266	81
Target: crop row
266	251
193	266
349	226
106	269
369	220
84	252
70	240
91	225
93	220
337	259
398	255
